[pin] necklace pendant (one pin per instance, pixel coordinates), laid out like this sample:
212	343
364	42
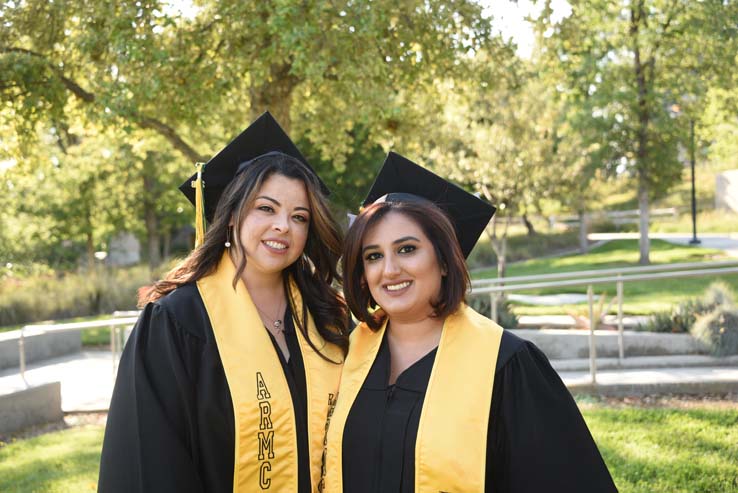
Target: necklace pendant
277	324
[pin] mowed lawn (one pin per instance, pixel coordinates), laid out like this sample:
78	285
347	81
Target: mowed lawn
640	297
648	450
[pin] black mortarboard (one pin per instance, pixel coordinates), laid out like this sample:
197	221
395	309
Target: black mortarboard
402	180
263	136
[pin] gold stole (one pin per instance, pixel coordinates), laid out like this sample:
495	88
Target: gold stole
451	446
266	440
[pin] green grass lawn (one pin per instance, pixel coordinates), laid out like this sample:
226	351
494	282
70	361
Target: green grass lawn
648	450
60	462
656	450
639	297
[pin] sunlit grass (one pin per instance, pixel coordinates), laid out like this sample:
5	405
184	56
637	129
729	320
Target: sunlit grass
648	450
61	462
663	450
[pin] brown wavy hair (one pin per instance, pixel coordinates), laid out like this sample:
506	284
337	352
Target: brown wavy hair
314	272
437	227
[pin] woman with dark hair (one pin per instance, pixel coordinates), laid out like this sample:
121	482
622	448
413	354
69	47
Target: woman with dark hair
227	379
435	397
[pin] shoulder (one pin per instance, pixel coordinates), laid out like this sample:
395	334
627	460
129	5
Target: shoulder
185	311
510	344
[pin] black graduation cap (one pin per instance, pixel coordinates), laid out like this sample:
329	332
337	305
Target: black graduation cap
402	180
263	136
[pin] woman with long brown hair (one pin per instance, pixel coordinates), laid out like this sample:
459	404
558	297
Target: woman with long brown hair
228	376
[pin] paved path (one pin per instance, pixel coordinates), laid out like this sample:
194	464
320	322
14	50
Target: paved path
87	377
655	380
728	242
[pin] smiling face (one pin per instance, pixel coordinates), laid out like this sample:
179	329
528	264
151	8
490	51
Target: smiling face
401	268
275	228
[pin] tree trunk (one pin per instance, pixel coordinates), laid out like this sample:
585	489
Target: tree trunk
501	258
583	230
644	243
528	225
638	15
166	247
152	238
275	96
499	245
90	249
150	219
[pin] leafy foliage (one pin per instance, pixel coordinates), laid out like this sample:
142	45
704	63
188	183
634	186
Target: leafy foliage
719	330
688	314
46	297
506	317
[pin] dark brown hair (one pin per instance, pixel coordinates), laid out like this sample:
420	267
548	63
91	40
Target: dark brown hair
314	271
439	230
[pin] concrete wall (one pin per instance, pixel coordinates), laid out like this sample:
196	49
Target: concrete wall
39	345
29	407
726	190
571	344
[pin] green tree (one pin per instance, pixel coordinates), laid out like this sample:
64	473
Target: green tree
625	64
341	76
328	66
499	138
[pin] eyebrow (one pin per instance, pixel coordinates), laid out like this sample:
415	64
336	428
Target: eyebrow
275	201
399	240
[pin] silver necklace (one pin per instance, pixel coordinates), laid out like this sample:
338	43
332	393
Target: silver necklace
276	322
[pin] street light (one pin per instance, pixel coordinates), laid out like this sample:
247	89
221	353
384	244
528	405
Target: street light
694	240
676	110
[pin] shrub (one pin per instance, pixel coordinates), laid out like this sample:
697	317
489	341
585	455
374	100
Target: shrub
719	331
46	297
505	315
684	315
719	293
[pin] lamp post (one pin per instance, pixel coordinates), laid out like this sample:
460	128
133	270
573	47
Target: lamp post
675	110
694	240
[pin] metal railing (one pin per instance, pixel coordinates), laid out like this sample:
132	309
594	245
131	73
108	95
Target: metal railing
606	276
117	324
603	272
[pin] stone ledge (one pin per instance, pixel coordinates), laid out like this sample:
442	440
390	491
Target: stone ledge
39	345
560	344
29	407
640	389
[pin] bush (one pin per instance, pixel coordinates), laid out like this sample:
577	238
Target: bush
505	315
47	297
719	331
719	293
683	316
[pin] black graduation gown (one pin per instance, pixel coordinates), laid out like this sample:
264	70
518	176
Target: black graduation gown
171	426
537	439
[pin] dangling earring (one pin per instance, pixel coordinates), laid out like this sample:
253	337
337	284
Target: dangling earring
228	238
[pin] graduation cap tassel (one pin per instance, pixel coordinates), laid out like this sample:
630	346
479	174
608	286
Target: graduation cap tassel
199	186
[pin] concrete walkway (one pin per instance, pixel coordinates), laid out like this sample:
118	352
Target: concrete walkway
655	381
728	242
87	377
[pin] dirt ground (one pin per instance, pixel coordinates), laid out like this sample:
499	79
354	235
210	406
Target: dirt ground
70	420
676	401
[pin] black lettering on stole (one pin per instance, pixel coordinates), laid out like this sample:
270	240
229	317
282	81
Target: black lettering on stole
331	406
265	436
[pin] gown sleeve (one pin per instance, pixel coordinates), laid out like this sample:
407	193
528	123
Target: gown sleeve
538	440
148	438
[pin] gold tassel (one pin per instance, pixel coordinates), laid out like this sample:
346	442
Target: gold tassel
199	187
